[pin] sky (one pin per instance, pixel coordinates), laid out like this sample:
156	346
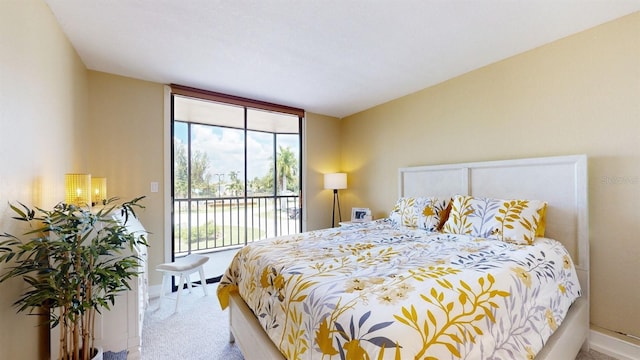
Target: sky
225	149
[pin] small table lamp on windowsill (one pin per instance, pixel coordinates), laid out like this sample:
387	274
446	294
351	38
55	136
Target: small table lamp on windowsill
335	182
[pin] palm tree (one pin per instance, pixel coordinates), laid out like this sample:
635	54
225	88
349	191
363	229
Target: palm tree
200	177
286	167
235	187
181	170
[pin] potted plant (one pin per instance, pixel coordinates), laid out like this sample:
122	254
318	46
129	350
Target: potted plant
75	262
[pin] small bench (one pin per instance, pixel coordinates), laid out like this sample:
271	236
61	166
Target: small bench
183	267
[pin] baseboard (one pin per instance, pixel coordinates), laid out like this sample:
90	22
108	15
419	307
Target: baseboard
154	291
613	346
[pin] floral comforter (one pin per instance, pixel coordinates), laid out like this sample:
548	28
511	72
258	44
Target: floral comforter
381	292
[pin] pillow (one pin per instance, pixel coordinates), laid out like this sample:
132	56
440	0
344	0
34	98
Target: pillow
542	224
514	221
422	212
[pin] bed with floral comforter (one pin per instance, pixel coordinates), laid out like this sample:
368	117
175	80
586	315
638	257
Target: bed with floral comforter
379	291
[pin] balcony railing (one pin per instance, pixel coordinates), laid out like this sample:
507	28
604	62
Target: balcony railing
207	224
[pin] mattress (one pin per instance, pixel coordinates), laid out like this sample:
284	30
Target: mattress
379	291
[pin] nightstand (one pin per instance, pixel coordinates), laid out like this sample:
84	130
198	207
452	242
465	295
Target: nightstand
350	224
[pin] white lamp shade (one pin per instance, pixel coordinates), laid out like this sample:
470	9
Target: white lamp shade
335	181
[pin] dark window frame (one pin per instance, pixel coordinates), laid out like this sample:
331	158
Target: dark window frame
185	91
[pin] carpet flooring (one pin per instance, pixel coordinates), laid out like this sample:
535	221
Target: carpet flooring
200	330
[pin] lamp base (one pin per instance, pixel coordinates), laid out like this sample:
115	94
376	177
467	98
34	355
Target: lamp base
336	200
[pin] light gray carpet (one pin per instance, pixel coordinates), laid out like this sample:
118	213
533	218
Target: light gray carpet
110	355
593	355
200	330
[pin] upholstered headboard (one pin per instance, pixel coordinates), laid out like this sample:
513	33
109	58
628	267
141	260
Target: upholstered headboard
561	181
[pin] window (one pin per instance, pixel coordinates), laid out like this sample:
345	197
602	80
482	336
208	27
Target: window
236	170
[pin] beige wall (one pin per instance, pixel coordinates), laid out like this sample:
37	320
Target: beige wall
126	131
43	110
322	154
577	95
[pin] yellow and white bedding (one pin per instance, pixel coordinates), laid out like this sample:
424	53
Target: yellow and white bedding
379	291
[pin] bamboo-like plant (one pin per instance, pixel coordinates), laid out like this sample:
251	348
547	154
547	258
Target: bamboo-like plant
75	263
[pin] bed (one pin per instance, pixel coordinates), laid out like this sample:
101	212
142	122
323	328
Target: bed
390	289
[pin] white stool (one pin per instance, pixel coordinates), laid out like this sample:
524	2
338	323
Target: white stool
183	267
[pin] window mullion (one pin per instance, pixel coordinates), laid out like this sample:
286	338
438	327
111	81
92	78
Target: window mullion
189	188
246	159
275	183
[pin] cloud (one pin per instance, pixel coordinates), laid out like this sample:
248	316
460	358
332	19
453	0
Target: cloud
225	149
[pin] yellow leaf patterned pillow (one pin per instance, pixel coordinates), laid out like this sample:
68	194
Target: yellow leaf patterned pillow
419	212
515	221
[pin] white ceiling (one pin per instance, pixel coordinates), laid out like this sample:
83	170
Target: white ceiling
332	57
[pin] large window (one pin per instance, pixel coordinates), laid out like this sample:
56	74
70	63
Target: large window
236	171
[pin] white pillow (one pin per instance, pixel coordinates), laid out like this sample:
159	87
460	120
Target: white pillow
420	212
515	221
